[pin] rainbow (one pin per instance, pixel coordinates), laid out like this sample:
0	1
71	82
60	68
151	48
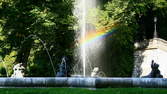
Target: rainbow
96	35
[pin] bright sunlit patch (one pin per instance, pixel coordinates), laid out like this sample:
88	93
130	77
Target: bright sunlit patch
96	35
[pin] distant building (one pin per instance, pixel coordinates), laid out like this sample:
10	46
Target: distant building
156	50
148	50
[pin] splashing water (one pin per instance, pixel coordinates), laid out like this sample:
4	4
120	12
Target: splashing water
84	50
43	43
90	46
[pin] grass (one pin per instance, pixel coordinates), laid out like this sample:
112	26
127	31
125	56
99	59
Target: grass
82	91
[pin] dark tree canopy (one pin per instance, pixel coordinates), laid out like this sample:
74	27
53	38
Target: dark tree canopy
49	20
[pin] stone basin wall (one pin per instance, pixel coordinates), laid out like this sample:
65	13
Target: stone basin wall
83	82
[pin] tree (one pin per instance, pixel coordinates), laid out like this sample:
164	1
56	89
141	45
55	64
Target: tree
21	19
134	22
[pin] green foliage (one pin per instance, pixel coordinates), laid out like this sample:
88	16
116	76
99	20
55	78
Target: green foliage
50	20
6	65
119	46
128	16
119	50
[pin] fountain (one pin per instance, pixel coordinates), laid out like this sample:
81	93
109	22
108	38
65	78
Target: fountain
64	70
18	71
89	60
44	45
155	72
95	72
153	49
88	50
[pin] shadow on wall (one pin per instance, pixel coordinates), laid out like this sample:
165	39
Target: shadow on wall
139	57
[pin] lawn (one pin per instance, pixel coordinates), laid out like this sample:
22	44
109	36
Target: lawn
82	91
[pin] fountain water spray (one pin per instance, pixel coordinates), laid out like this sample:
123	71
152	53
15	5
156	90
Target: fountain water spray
43	43
87	50
83	49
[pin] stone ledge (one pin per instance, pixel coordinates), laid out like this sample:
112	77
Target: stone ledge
83	82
